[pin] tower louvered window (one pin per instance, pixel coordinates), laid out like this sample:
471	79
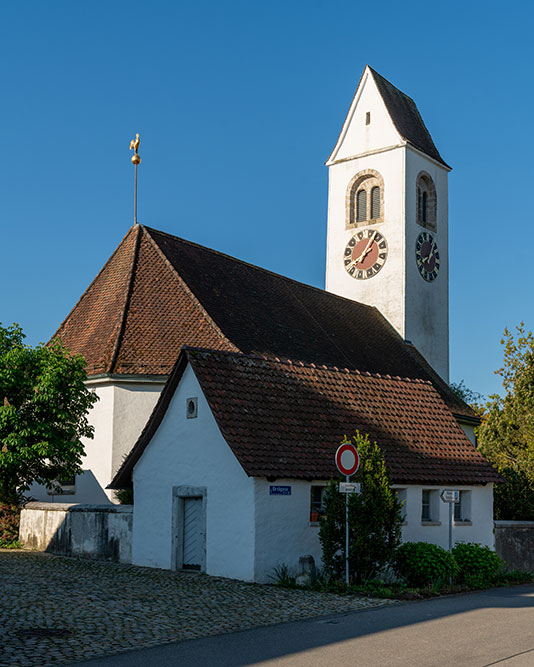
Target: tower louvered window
424	206
426	201
361	206
375	202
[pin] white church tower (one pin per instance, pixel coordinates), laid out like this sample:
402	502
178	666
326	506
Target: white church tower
387	217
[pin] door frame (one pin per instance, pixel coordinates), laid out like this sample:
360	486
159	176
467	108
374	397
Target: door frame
179	494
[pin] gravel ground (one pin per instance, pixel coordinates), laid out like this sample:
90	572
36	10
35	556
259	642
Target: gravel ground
55	610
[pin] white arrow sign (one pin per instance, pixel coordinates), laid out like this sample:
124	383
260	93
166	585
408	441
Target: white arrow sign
450	496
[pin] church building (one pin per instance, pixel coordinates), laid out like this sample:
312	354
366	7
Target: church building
225	389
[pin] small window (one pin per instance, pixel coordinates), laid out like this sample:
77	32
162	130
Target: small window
462	510
368	118
426	514
402	496
375	202
361	206
191	408
430	506
316	503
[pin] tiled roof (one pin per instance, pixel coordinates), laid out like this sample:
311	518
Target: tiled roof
406	117
158	292
286	419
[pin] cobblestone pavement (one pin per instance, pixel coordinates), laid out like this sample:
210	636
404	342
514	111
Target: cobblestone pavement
54	610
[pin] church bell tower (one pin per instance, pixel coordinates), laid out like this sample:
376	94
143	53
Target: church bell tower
387	242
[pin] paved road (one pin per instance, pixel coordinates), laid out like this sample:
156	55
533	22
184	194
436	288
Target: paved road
477	630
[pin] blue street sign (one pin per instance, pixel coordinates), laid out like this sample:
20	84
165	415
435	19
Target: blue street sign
280	490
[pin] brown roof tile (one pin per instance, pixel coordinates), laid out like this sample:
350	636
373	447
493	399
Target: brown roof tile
158	292
284	419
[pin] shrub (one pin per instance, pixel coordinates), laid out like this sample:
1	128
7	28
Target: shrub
125	496
9	523
423	564
476	563
375	517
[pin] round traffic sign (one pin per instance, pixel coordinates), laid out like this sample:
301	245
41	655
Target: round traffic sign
347	459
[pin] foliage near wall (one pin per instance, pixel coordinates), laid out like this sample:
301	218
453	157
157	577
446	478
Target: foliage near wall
506	435
375	517
43	414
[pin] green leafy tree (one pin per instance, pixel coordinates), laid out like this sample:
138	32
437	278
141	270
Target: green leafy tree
375	518
43	414
506	434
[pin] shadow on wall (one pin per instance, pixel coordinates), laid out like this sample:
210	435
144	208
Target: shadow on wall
100	532
87	490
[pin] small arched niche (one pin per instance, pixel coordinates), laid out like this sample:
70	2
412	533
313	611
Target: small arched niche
364	201
426	202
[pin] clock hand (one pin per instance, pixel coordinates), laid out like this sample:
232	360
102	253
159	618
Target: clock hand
367	249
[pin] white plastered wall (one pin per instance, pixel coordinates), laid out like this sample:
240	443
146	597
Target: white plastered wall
283	529
427	303
118	418
479	529
193	452
385	290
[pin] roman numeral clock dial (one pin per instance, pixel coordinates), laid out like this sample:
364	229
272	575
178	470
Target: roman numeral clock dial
365	254
427	256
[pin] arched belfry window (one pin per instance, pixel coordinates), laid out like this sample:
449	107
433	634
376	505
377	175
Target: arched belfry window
361	206
426	201
365	199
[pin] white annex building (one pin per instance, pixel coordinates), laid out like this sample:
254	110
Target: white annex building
225	389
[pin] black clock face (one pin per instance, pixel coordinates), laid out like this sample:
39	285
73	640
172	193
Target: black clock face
427	256
365	254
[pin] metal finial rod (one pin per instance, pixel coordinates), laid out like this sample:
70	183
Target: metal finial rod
136	160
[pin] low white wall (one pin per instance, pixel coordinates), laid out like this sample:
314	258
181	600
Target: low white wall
102	532
283	529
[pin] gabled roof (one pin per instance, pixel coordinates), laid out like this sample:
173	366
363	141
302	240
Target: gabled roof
158	292
286	419
404	115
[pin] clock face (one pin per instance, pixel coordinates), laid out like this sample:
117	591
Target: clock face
365	254
427	256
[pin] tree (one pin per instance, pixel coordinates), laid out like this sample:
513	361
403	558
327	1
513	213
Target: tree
472	398
375	517
506	434
43	414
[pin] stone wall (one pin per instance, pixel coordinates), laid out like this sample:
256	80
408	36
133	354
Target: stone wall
102	532
514	542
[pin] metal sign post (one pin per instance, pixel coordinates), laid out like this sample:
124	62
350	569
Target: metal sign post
450	496
347	462
347	479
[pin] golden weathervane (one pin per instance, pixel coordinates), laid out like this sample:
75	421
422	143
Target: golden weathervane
136	160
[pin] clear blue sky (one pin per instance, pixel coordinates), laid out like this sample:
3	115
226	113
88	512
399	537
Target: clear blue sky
238	105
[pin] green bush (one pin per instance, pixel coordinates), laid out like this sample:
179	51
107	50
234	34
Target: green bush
9	524
423	564
476	564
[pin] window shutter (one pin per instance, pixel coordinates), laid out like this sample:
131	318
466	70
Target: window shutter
375	203
361	206
424	206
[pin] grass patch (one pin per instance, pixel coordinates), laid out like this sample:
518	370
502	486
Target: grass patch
14	544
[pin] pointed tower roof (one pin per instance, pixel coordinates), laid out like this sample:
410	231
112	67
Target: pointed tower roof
404	115
158	292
